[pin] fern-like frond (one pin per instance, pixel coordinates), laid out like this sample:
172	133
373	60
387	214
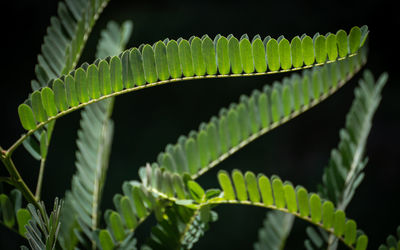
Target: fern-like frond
276	229
172	61
114	39
261	191
12	215
82	211
254	116
42	230
344	171
181	228
94	144
391	242
65	39
61	49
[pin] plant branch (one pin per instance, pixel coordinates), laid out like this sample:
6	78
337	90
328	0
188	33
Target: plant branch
16	179
40	178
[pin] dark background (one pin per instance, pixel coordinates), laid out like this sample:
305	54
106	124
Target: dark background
146	121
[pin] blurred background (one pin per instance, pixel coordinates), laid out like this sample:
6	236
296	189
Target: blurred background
146	121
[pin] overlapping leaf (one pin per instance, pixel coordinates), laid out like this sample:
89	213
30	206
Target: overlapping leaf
391	242
12	215
170	61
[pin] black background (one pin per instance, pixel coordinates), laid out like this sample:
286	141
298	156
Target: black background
146	121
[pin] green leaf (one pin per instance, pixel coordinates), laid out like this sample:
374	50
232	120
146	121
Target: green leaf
354	39
81	85
106	241
316	208
264	110
362	242
240	185
196	191
116	226
149	66
37	107
174	63
320	49
342	43
137	200
60	96
226	185
26	117
127	213
223	56
137	63
290	198
93	82
327	214
116	74
339	222
331	47
7	211
296	52
234	55
259	56
203	148
105	78
43	145
273	55
160	54
23	216
48	101
185	56
252	187
72	95
199	65
307	50
279	195
350	232
192	155
246	55
285	54
302	197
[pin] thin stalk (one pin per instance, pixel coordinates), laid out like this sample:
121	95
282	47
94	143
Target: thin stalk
17	180
40	179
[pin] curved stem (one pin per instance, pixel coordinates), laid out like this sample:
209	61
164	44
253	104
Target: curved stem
40	178
17	180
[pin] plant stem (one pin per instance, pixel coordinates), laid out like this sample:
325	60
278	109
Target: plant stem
16	179
40	179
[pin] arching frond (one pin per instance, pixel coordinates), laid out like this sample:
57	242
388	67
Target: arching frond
12	215
81	212
171	61
254	116
65	39
42	230
114	39
275	230
391	242
344	171
275	194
